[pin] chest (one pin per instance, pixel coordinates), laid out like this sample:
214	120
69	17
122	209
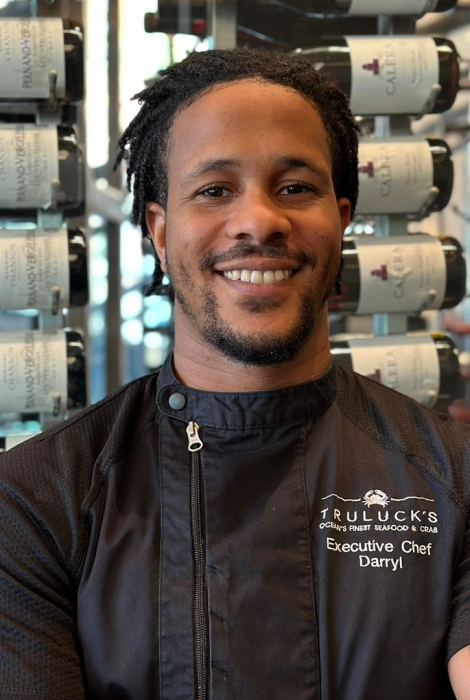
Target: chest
323	566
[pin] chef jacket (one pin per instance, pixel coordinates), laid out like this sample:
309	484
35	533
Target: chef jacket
303	543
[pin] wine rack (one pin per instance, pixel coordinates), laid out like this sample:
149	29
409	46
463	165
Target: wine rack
390	227
42	178
385	55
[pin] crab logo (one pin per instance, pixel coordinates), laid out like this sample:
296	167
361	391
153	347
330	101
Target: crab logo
375	498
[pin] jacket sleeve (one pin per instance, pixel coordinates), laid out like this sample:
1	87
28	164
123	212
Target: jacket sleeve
39	547
459	627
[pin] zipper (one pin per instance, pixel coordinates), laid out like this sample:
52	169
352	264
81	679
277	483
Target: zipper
199	615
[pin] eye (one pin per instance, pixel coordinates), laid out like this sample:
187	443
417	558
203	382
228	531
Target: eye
297	188
213	192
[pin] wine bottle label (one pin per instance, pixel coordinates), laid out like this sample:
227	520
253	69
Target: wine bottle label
29	50
394	176
409	364
33	371
392	75
14	440
29	162
33	263
407	274
388	7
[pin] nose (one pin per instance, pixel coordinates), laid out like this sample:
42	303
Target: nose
258	218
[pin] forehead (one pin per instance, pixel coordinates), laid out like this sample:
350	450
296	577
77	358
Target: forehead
251	119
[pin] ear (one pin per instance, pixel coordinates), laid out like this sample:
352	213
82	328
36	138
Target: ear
155	218
344	207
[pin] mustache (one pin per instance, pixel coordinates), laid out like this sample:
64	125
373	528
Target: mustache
243	250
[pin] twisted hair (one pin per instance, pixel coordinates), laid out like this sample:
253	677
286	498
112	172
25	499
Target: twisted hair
144	144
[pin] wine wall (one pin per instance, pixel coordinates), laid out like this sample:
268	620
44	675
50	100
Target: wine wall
43	250
392	78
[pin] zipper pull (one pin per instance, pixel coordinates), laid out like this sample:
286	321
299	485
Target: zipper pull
194	441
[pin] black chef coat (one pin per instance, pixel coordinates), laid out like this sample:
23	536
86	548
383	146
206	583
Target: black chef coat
315	547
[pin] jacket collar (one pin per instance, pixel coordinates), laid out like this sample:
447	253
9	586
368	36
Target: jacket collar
245	410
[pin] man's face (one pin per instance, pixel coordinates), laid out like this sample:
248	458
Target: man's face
252	231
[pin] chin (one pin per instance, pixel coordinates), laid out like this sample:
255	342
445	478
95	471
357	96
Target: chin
259	347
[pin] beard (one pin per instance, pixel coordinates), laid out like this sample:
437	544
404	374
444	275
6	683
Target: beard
255	349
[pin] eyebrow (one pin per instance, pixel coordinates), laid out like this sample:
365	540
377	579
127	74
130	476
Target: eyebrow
208	166
285	162
295	163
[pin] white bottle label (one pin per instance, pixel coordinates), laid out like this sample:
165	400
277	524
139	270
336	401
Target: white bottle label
32	263
29	162
33	367
14	440
388	7
392	75
409	364
395	176
29	50
407	274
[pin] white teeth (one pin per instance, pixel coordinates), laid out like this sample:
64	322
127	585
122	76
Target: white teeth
269	277
258	277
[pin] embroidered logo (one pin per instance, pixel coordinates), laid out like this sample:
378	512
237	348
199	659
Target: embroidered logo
379	494
375	497
381	531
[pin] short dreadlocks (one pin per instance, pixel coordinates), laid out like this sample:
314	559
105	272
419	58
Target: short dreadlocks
144	143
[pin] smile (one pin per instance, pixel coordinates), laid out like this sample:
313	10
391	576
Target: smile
258	276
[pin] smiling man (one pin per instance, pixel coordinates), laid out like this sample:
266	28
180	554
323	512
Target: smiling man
250	236
250	522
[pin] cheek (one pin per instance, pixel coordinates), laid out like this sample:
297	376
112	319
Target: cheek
184	242
324	245
321	229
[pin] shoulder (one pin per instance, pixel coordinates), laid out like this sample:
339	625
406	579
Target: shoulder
428	439
48	483
87	441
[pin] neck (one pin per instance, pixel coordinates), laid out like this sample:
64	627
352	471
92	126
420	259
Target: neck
199	366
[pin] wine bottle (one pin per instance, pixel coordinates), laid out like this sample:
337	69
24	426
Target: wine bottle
42	371
41	167
388	74
396	175
32	47
43	269
401	274
372	7
272	27
258	24
425	367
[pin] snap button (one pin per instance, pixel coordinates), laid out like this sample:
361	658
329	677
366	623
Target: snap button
177	401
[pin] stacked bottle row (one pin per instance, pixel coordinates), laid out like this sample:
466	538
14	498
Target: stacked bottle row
405	274
281	24
43	262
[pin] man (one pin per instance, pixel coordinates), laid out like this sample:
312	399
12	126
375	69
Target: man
251	522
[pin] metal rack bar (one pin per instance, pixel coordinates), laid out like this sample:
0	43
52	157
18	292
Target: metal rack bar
396	224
